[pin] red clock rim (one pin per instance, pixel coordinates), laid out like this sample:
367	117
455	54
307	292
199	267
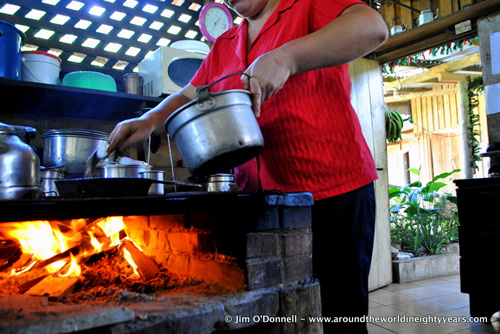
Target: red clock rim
202	15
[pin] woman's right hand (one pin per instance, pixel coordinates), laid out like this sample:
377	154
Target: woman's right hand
135	130
130	132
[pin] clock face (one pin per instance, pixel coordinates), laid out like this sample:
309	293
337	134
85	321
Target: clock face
215	19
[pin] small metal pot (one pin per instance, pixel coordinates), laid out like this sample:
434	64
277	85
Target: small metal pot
216	132
157	175
49	176
220	182
117	170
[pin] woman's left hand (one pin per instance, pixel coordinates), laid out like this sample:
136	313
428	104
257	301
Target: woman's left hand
266	76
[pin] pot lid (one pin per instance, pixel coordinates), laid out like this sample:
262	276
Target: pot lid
76	133
7	129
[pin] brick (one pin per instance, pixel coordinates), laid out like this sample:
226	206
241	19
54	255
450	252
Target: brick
178	264
263	273
136	222
297	244
230	244
263	219
206	243
298	268
202	220
168	222
260	245
293	217
182	241
227	273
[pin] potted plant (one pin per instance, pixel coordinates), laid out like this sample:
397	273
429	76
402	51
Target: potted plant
423	219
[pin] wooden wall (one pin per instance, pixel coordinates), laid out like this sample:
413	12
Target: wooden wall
436	143
367	98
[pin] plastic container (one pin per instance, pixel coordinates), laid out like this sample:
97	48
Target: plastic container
11	40
91	80
42	67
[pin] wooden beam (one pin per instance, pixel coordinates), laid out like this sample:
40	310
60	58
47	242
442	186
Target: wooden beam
407	97
447	77
434	72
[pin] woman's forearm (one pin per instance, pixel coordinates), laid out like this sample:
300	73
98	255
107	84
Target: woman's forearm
160	113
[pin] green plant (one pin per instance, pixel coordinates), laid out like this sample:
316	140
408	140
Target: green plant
421	218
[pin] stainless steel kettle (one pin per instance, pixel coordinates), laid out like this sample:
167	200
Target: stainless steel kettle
426	16
398	28
19	167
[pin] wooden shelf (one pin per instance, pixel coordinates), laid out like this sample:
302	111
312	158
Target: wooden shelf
434	34
55	100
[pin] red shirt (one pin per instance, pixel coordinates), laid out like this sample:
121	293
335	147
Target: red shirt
312	137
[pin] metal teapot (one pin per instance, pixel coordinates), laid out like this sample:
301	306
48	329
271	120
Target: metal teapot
398	28
19	167
426	16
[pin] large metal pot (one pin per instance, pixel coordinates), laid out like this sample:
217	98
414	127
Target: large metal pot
19	167
216	132
71	148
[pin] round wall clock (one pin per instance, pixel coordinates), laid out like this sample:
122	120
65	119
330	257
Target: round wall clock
215	19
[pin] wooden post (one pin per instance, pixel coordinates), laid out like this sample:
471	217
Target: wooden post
463	114
491	77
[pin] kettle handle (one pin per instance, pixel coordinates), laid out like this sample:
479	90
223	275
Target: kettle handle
397	17
202	91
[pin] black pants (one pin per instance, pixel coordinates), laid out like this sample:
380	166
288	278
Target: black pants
343	231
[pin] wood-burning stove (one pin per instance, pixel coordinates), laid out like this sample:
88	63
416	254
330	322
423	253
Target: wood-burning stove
258	246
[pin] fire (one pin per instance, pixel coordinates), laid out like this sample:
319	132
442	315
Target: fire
60	246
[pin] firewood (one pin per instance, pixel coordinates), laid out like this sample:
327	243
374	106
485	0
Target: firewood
147	268
10	252
31	283
54	287
58	257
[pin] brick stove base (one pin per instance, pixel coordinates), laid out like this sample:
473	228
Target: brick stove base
258	245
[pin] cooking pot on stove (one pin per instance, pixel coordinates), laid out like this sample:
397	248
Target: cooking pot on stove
217	131
117	170
19	167
71	148
220	182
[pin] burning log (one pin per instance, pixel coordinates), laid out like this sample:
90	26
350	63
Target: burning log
54	287
147	268
58	257
10	251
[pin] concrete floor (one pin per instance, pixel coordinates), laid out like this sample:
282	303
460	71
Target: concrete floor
431	300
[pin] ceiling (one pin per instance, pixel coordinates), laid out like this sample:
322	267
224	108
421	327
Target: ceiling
109	36
113	36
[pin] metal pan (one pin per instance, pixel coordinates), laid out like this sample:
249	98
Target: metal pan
112	187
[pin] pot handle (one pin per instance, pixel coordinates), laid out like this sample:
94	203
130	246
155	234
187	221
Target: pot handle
179	183
202	91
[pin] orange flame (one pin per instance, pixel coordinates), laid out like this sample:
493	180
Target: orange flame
44	239
74	269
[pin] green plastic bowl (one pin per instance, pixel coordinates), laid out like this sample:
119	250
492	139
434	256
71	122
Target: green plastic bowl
89	79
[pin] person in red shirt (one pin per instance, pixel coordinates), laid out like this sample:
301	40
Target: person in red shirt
296	54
